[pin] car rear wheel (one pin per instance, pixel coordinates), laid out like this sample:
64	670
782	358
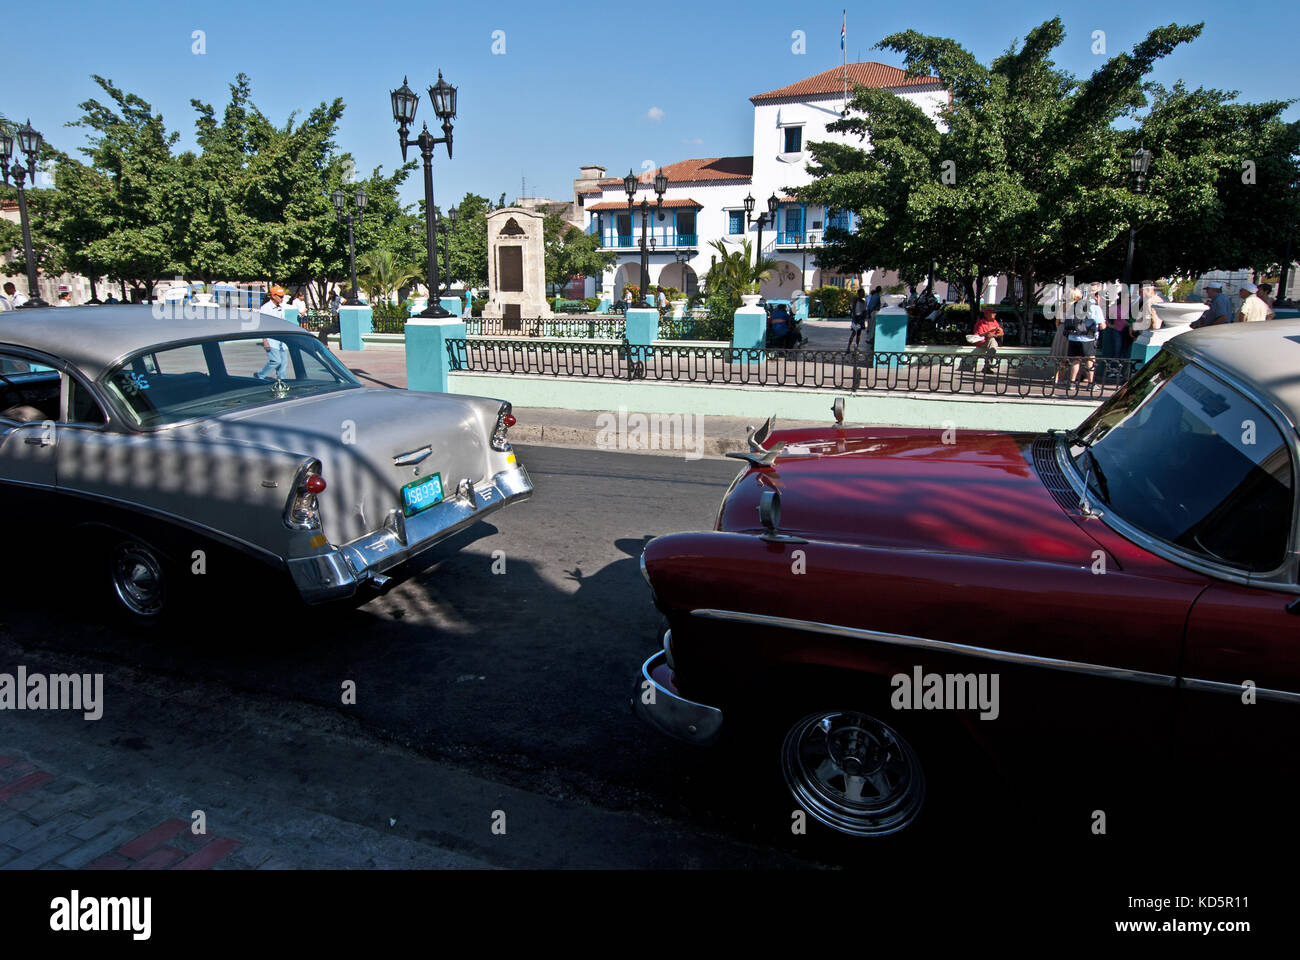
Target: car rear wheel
853	773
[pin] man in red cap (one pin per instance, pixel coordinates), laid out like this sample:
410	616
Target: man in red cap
277	354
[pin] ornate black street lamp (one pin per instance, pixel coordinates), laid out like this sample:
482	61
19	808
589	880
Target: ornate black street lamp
29	142
1140	163
340	205
629	187
762	219
452	214
405	100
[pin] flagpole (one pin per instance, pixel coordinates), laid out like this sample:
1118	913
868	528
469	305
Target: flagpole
844	57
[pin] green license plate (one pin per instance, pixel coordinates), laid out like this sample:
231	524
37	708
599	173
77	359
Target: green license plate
421	494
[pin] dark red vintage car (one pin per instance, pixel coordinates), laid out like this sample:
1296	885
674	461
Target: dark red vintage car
1137	574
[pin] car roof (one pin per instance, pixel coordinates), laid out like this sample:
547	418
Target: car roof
1265	355
92	337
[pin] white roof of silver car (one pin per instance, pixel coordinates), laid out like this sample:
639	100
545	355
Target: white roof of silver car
1265	355
93	337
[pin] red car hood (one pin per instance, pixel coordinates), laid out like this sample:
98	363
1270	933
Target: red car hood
906	489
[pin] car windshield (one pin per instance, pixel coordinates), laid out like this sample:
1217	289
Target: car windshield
1183	456
170	384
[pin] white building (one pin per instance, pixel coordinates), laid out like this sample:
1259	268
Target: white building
705	199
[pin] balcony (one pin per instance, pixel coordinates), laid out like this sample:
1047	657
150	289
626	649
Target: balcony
788	238
663	240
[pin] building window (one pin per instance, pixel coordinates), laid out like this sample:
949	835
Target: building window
735	221
794	220
793	139
686	226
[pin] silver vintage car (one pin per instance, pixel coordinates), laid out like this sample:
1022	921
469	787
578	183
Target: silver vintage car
183	444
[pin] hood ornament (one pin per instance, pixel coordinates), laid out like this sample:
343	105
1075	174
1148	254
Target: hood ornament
759	455
279	389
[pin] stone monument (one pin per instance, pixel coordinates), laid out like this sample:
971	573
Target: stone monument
516	265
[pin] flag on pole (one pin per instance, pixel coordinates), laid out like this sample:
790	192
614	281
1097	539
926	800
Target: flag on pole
844	27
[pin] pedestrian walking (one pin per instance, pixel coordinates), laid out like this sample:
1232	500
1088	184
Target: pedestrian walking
277	354
858	313
13	299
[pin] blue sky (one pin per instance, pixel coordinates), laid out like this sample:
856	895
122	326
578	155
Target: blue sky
577	83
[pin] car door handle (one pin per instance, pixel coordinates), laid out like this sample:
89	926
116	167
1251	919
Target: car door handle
41	441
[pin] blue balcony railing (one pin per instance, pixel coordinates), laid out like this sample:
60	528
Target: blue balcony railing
843	223
787	238
661	240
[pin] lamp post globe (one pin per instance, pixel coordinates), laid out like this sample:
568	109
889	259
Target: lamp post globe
443	96
28	141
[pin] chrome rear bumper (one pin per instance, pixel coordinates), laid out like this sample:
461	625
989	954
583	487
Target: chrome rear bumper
340	572
656	701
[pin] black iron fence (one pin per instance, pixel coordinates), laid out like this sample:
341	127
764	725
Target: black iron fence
320	322
593	328
1035	377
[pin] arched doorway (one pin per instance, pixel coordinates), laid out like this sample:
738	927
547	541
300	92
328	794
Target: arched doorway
783	282
629	272
681	276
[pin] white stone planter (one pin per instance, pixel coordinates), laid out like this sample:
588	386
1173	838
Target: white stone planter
748	300
1175	318
893	299
205	299
679	309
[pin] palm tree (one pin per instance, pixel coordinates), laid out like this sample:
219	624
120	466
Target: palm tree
382	273
733	273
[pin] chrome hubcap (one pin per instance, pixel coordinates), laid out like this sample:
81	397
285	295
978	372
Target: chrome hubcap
853	773
138	578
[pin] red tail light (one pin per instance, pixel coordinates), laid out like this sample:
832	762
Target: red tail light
314	484
509	420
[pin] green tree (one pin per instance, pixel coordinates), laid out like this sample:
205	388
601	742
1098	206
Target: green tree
1028	177
469	247
381	273
571	253
139	190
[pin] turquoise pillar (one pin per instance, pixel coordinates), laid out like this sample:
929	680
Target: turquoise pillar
801	308
452	305
749	329
428	364
641	330
1141	353
891	331
354	323
291	314
605	304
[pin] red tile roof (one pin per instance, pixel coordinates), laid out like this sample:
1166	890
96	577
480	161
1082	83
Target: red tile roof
868	74
706	169
622	204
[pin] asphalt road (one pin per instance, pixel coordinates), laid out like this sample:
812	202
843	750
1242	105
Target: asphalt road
520	679
475	692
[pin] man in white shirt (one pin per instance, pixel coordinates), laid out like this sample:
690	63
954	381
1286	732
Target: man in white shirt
1252	308
12	298
277	354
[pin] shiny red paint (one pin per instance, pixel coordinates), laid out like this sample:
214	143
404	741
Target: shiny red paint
906	534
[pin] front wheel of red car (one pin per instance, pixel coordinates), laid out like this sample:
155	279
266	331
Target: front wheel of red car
853	773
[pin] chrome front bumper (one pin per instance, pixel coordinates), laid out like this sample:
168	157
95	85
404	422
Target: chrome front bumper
340	572
656	701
